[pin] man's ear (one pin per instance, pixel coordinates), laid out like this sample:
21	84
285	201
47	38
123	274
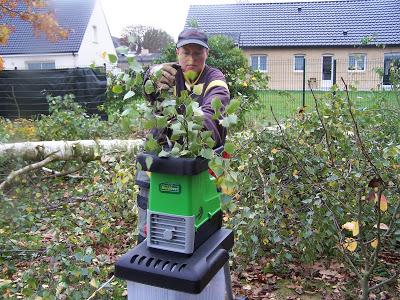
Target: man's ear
177	51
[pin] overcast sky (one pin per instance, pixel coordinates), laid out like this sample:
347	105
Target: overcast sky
169	15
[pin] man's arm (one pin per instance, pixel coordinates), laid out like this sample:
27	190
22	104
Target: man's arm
161	77
216	88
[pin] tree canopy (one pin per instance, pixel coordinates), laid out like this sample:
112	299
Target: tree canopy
139	37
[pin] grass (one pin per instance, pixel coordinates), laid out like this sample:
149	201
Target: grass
287	103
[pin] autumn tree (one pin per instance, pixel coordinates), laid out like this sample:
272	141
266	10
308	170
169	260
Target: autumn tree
139	37
33	12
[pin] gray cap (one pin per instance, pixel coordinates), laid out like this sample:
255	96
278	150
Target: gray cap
192	36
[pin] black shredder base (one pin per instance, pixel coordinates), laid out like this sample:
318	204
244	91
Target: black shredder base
176	271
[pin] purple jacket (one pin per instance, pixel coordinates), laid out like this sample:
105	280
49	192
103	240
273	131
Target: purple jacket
212	84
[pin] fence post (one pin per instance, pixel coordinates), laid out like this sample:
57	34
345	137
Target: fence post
304	81
334	75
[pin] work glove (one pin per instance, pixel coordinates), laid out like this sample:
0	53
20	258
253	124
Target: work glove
164	75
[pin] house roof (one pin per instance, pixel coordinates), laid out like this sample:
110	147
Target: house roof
296	24
73	15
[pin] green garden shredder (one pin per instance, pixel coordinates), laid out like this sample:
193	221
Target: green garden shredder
185	254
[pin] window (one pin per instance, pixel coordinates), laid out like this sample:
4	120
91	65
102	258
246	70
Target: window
40	65
391	63
259	62
357	62
299	63
95	34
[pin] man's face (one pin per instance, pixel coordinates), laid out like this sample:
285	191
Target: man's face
192	57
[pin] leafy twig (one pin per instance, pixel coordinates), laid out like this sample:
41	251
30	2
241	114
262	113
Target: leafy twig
328	141
285	141
357	132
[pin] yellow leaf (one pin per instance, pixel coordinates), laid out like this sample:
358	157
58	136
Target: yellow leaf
295	173
241	167
274	151
382	226
226	190
104	54
374	243
265	241
383	204
94	283
353	227
350	244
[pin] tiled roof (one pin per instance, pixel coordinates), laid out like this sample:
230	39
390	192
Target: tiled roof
295	24
70	14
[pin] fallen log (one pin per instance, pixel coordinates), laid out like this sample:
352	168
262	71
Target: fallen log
42	153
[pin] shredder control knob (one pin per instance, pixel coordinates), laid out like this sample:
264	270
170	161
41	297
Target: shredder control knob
168	234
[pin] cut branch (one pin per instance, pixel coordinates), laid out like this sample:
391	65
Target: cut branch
25	169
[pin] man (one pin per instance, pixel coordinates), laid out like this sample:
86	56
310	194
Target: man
202	82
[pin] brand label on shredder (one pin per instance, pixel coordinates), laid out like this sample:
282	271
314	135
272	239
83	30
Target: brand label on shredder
171	188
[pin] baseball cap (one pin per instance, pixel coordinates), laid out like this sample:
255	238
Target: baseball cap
192	36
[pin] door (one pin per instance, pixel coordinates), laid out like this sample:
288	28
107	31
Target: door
391	61
327	72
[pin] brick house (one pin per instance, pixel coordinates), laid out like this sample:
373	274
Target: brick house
286	39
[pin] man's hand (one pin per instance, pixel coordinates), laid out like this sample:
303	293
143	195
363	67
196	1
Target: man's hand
164	75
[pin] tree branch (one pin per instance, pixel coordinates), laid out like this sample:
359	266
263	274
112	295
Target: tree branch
65	173
357	132
386	281
26	169
285	141
328	141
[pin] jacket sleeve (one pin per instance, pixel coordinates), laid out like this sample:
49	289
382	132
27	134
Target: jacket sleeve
216	88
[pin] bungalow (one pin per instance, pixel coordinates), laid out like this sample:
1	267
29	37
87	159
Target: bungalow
291	40
89	37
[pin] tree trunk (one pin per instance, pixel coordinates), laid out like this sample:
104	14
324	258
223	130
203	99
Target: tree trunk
85	150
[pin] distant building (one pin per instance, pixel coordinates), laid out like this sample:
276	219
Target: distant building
279	37
88	39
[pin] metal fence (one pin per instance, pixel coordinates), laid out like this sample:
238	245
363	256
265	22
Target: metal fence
290	89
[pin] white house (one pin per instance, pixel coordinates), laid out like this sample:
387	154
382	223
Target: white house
89	37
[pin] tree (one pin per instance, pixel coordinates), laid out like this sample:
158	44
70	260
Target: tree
30	11
156	39
138	37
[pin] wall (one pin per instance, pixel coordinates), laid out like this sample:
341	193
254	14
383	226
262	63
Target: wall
280	66
93	45
19	61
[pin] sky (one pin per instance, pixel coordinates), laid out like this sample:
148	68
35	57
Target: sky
169	15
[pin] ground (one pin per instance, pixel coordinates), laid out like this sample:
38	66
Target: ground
320	281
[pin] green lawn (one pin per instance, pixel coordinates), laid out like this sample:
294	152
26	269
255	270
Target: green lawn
287	103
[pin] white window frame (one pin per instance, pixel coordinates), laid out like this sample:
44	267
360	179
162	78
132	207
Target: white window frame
258	62
356	55
41	62
294	63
